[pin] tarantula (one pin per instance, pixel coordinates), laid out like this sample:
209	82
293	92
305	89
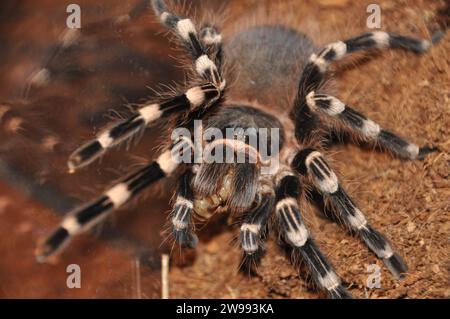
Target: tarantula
264	58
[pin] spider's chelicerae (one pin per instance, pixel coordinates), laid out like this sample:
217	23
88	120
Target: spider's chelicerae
264	58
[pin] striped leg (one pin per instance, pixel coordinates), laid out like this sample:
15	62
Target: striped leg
71	37
86	216
181	216
315	71
212	40
318	64
195	98
366	128
253	230
297	236
187	34
311	163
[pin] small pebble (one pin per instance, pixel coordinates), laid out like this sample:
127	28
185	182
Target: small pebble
436	269
410	227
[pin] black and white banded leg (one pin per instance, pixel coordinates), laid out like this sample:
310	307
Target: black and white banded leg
194	98
295	233
197	98
254	227
365	127
86	216
318	64
212	40
315	71
187	34
310	162
70	38
182	213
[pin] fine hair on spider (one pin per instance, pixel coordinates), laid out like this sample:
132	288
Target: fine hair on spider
264	58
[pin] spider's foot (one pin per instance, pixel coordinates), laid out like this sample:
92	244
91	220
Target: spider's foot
424	151
43	253
251	261
339	293
52	244
437	36
185	238
396	266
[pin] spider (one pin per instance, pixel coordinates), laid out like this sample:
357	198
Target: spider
264	58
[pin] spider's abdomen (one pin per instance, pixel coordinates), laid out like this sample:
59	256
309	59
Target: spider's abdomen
266	62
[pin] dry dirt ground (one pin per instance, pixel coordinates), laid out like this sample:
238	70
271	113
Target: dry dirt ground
408	201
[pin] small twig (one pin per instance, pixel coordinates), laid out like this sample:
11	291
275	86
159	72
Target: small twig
138	278
165	276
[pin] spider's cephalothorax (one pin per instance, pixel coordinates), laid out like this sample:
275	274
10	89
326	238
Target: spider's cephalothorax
271	66
232	185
